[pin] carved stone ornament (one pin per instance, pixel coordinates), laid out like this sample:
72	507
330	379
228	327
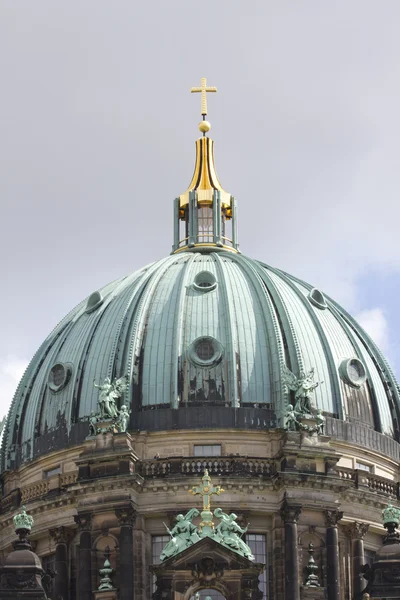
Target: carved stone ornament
126	516
358	531
290	513
84	521
332	517
61	535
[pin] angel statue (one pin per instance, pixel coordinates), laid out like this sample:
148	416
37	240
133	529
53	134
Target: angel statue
226	533
303	386
183	535
123	418
110	391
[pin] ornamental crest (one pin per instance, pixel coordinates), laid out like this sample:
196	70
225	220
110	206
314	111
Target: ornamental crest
22	520
391	514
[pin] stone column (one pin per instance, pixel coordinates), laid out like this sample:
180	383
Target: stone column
357	532
84	522
126	519
290	515
61	535
332	517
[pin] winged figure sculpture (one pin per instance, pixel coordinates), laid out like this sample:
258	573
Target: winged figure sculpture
303	386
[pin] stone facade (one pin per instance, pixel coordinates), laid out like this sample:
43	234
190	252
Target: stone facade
112	491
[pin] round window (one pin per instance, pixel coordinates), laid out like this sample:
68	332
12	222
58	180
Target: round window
353	372
317	299
94	301
205	281
205	351
59	376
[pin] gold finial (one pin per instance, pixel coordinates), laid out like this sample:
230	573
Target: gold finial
204	126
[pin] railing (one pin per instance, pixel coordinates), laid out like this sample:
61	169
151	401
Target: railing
68	478
378	484
345	473
362	478
34	490
228	466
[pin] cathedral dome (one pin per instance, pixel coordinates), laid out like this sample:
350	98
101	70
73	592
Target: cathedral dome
197	329
204	338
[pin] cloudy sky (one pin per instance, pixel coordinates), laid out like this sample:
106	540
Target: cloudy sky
97	130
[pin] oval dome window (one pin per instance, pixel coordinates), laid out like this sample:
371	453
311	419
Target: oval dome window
59	376
353	372
205	351
317	298
94	301
205	281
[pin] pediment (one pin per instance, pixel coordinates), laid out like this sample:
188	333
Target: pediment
207	548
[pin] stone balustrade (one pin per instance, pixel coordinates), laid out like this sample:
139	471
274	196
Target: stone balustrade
221	466
34	490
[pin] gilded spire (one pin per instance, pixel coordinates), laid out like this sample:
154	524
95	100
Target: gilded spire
205	214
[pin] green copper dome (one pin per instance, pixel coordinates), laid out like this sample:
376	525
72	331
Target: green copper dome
198	329
203	338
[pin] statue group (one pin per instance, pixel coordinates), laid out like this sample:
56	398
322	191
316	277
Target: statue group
227	532
303	386
109	415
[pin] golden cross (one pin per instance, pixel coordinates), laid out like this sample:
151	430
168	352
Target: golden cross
203	89
206	490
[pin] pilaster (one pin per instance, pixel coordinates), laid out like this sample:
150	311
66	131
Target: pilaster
62	536
84	522
332	517
126	518
290	514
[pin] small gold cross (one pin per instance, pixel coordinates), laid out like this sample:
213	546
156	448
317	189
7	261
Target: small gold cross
203	89
206	490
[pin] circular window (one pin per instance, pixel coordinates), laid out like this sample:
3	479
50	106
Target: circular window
59	376
317	298
205	351
205	281
94	301
353	372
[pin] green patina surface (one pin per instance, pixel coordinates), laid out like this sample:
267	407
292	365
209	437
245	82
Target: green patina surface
144	327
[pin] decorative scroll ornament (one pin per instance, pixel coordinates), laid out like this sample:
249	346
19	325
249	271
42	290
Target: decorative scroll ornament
293	421
227	532
391	514
22	520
